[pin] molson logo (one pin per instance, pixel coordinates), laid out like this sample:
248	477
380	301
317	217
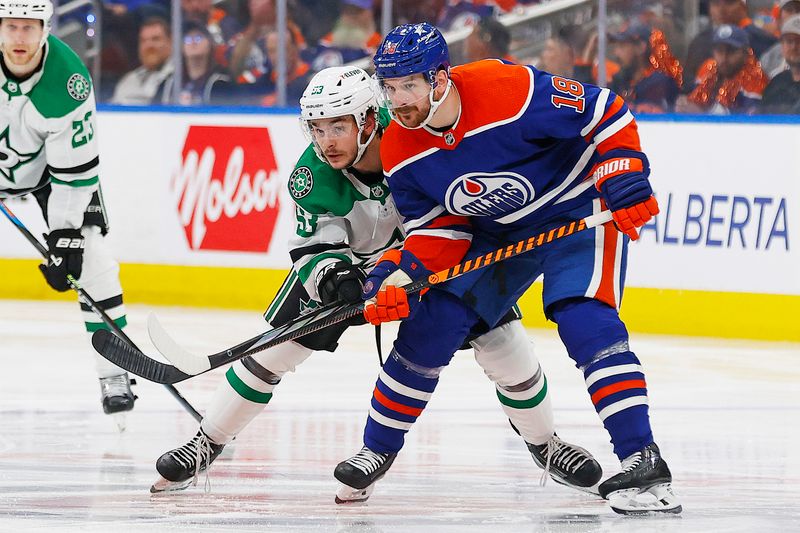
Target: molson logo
227	188
488	194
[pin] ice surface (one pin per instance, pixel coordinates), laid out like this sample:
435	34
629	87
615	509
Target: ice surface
726	415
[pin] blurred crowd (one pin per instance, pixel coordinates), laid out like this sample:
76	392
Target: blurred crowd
743	57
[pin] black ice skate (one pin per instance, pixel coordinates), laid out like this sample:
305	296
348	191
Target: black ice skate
117	397
567	464
359	474
644	486
180	467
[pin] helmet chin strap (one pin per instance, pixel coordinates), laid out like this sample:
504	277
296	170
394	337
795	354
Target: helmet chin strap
434	106
363	147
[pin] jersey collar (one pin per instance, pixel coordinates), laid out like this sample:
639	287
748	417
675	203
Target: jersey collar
377	191
448	139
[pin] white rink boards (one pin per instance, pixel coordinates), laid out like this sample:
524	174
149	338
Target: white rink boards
725	414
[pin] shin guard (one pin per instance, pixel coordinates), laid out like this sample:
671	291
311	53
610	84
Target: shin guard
247	390
506	356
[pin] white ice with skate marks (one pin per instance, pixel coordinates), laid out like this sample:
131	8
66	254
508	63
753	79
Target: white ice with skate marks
724	414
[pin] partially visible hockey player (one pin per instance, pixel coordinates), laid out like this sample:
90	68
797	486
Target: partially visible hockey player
481	157
48	148
346	219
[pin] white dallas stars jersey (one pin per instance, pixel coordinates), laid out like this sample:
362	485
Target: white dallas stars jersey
339	218
48	134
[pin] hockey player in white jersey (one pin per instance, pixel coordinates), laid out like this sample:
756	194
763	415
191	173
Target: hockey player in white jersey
48	148
346	219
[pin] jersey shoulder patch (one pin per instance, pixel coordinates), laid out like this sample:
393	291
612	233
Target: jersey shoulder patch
65	83
320	189
301	182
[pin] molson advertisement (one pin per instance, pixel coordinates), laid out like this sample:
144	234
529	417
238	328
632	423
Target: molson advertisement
227	189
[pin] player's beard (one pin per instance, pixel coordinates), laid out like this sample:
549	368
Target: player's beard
13	53
411	116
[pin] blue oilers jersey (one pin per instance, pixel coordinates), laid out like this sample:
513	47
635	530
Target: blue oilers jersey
521	153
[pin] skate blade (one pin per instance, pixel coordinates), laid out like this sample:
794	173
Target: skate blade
588	490
652	500
349	495
121	421
164	485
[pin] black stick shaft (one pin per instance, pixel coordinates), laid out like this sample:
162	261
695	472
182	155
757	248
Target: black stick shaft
88	300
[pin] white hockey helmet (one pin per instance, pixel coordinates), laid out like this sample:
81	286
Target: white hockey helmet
29	9
337	92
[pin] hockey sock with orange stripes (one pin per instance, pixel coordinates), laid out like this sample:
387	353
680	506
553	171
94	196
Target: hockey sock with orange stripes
596	339
618	391
400	395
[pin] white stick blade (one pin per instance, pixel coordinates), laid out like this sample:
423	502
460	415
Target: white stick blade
183	360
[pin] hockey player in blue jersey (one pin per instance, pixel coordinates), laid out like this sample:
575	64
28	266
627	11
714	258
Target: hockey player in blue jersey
481	156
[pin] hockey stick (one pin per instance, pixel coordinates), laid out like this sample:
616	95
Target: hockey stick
135	361
89	301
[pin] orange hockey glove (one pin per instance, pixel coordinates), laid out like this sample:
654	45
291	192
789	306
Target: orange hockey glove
383	288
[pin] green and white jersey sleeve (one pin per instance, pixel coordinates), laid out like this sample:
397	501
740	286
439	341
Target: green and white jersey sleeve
339	218
47	133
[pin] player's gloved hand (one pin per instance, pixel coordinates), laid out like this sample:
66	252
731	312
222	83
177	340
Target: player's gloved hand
65	257
341	281
622	181
383	288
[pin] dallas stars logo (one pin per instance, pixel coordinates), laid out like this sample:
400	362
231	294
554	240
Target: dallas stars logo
300	182
10	159
78	87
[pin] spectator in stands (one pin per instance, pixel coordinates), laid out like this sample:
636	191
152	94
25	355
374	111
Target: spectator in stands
587	62
722	12
772	61
489	39
650	77
355	27
782	95
149	7
558	57
248	56
264	90
140	86
315	18
414	11
203	81
220	25
353	37
458	14
731	82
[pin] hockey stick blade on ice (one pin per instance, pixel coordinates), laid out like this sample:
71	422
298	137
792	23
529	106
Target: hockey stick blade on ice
197	364
131	359
118	334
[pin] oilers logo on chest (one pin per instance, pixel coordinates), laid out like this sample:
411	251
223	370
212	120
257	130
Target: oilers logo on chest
488	194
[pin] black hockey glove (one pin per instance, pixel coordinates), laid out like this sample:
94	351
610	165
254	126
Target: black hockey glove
341	282
65	251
